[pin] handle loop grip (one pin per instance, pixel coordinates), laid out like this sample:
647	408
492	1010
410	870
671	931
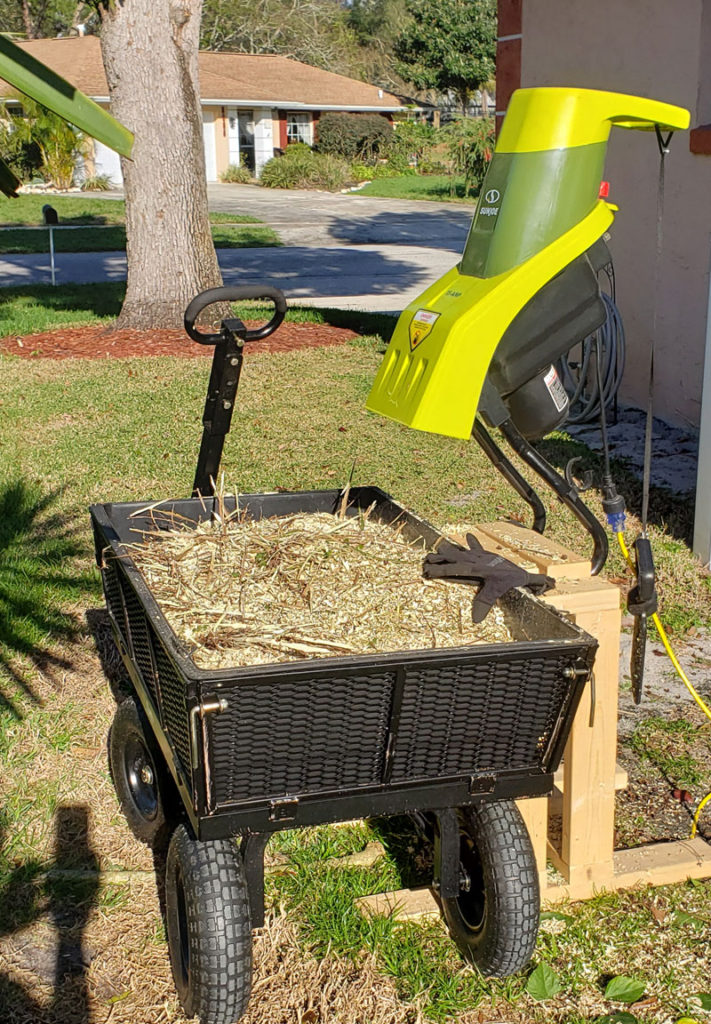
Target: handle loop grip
234	293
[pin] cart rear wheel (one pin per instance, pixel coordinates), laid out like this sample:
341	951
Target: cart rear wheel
494	920
145	790
208	926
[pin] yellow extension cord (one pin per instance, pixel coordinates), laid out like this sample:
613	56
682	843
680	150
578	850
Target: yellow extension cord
679	670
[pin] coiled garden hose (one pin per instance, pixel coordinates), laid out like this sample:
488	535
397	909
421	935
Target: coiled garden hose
580	379
679	671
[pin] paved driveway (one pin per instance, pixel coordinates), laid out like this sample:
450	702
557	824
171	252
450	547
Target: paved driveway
341	250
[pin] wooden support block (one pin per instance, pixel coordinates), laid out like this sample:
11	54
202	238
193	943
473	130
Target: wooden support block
590	757
551	557
657	864
406	904
621	781
534	812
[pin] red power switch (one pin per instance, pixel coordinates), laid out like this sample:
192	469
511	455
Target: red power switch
604	190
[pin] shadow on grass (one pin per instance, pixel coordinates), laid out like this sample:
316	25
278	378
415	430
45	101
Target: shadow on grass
57	957
38	578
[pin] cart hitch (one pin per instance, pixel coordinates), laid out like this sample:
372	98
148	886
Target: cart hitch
225	371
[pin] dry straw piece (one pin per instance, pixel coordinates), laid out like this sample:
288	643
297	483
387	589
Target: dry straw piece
239	591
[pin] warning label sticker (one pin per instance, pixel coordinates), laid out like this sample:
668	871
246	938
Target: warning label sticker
556	389
421	326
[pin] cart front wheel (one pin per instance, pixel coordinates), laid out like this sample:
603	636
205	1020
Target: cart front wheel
494	920
143	786
209	928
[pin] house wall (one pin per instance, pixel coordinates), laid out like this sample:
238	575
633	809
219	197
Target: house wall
648	48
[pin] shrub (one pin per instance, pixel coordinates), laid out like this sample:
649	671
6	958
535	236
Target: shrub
471	143
97	183
236	174
57	143
361	137
302	168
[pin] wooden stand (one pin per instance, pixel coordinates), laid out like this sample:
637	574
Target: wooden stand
584	854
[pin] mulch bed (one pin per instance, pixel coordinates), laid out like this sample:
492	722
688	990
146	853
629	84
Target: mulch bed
100	342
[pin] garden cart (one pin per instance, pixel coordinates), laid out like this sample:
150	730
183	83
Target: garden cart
220	759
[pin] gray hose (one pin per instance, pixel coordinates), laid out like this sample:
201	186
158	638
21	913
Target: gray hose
580	377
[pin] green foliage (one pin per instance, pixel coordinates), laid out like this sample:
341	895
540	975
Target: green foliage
362	137
236	174
624	990
314	31
470	143
412	145
299	168
449	46
58	144
543	982
97	183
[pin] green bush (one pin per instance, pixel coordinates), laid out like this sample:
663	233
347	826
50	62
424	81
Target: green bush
471	143
96	183
361	137
302	168
235	174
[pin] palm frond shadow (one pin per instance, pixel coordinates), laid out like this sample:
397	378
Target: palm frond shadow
38	578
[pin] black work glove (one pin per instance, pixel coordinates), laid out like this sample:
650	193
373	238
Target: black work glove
473	564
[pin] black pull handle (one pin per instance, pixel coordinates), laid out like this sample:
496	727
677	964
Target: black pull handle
234	293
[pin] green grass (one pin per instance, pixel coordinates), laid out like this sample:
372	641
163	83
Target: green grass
422	960
108	431
668	744
105	231
436	187
29	309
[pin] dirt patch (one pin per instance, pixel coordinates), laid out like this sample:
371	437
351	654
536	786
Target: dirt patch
99	342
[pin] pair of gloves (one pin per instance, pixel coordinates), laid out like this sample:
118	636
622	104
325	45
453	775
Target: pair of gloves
495	574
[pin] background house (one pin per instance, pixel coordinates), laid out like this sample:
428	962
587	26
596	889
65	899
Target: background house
663	51
251	104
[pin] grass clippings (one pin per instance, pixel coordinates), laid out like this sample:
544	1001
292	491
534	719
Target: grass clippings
239	591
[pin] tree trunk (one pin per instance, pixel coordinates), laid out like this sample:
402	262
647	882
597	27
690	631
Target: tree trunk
150	51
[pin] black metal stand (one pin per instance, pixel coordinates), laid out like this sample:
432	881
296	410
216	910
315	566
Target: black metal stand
565	491
510	474
219	405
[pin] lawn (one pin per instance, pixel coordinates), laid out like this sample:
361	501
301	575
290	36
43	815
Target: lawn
435	187
109	431
87	224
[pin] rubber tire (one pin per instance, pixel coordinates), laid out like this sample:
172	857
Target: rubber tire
209	928
149	809
495	924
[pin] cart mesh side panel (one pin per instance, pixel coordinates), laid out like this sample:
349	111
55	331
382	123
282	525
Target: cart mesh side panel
481	717
174	711
301	736
112	592
140	636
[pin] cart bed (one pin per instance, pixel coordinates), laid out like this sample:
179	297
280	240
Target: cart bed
339	737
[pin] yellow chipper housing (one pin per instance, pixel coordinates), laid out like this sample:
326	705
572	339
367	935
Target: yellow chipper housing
484	337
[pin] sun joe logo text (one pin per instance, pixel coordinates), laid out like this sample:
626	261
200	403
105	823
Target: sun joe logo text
491	198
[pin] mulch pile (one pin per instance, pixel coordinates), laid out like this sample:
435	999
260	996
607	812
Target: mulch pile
99	342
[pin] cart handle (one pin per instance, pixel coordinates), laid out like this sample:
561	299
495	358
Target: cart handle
233	293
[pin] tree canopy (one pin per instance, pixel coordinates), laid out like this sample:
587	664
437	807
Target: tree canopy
449	46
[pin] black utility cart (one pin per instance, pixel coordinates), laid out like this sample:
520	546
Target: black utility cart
222	759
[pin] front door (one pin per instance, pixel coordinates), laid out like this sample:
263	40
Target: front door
241	137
